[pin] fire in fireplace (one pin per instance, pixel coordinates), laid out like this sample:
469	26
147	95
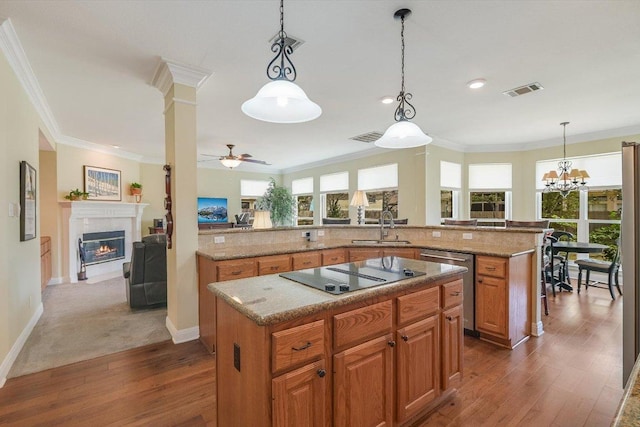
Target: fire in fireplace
103	247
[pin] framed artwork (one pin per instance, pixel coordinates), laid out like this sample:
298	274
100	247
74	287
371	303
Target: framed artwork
28	190
102	184
212	210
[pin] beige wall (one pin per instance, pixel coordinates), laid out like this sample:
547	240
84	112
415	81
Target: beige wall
49	212
153	192
19	261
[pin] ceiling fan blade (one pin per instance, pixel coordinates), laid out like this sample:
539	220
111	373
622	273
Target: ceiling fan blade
211	155
262	162
245	155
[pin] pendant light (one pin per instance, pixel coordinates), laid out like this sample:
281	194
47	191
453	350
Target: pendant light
566	179
281	100
403	134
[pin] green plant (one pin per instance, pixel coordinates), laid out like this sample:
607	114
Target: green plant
135	185
76	195
279	201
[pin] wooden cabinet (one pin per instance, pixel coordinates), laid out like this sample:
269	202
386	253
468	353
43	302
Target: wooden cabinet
363	384
45	261
275	264
452	342
418	366
235	269
334	256
503	286
299	397
410	253
361	254
304	260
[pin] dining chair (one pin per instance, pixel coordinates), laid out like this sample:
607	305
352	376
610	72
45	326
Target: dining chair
464	222
612	269
545	279
328	221
563	257
527	224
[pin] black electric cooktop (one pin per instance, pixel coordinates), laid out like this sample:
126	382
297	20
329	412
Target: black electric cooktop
354	276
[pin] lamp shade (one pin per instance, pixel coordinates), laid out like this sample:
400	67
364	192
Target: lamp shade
359	199
262	219
403	134
281	101
229	162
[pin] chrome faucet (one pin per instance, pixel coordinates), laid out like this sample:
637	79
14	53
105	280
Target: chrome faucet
384	232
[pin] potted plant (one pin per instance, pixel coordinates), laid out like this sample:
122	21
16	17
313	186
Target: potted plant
77	195
135	188
279	201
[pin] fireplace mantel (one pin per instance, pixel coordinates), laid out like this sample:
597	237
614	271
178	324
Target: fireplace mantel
92	216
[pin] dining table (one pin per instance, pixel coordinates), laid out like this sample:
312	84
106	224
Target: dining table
576	247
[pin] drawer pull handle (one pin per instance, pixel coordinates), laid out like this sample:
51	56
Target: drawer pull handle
235	273
322	373
456	294
449	318
304	347
391	343
405	338
306	263
274	267
490	268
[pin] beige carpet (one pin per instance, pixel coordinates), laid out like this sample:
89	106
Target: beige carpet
85	320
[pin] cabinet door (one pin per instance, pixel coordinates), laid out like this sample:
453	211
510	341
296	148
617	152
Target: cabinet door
452	342
363	384
299	397
418	366
491	306
361	254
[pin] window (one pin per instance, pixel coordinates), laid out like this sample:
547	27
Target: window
489	193
381	185
302	190
334	195
250	191
592	215
450	185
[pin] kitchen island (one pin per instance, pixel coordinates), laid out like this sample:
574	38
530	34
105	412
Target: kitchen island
381	355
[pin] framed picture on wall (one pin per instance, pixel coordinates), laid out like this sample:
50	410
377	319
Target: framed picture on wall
28	183
102	184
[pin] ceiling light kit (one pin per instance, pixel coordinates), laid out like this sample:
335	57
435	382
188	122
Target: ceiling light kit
403	133
565	179
232	161
281	100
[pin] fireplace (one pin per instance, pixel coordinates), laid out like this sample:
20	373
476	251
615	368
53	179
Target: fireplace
103	246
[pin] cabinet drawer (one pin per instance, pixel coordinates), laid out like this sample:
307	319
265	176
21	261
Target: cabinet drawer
400	252
452	294
418	305
334	256
490	266
366	322
297	345
237	269
306	260
273	265
364	254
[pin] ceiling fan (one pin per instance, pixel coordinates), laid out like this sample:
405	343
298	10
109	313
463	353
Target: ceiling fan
232	161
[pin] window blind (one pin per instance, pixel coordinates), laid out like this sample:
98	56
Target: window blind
490	176
334	182
378	177
253	188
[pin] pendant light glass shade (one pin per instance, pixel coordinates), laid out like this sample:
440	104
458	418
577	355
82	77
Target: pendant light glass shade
403	134
230	163
281	101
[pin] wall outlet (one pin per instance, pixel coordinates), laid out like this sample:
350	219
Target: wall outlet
467	236
218	239
436	234
320	232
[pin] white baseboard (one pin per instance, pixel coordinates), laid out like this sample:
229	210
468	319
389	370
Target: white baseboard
7	363
537	329
56	281
183	335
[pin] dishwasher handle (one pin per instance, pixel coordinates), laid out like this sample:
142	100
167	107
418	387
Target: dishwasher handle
446	258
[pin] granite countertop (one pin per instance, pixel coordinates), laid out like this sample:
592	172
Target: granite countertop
236	252
629	409
272	299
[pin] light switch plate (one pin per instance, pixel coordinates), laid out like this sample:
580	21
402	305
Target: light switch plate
320	232
467	236
218	239
436	234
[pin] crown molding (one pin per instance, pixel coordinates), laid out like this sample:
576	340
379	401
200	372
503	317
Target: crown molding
92	146
17	58
169	72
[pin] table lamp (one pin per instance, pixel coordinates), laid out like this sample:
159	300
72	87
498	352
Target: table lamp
262	219
359	199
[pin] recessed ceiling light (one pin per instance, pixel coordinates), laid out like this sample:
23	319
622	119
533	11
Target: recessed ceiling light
115	146
476	84
387	99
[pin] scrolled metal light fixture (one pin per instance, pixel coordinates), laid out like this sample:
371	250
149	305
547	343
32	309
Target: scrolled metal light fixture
566	179
403	133
281	100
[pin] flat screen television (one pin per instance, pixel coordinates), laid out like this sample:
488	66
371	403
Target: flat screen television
212	210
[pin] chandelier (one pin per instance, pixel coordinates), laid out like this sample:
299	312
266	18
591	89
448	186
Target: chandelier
566	179
403	133
281	100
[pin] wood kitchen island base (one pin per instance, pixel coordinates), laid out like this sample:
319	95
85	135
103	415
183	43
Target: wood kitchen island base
385	360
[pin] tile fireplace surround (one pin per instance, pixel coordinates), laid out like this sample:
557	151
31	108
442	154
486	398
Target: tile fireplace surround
90	217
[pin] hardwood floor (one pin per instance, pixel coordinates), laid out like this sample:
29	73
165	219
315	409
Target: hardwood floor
571	376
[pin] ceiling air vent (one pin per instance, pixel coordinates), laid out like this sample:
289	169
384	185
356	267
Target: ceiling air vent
531	87
367	137
288	41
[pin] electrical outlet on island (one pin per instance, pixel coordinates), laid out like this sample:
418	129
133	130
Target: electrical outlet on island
467	236
218	239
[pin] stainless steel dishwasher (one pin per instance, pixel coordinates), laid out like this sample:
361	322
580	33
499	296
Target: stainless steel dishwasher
468	289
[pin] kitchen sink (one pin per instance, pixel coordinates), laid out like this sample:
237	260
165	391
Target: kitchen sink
380	242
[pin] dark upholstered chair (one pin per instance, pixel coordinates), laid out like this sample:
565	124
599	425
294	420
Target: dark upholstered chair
463	222
327	221
395	221
610	267
527	224
146	274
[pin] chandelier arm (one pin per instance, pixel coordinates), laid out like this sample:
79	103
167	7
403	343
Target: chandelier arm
281	67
